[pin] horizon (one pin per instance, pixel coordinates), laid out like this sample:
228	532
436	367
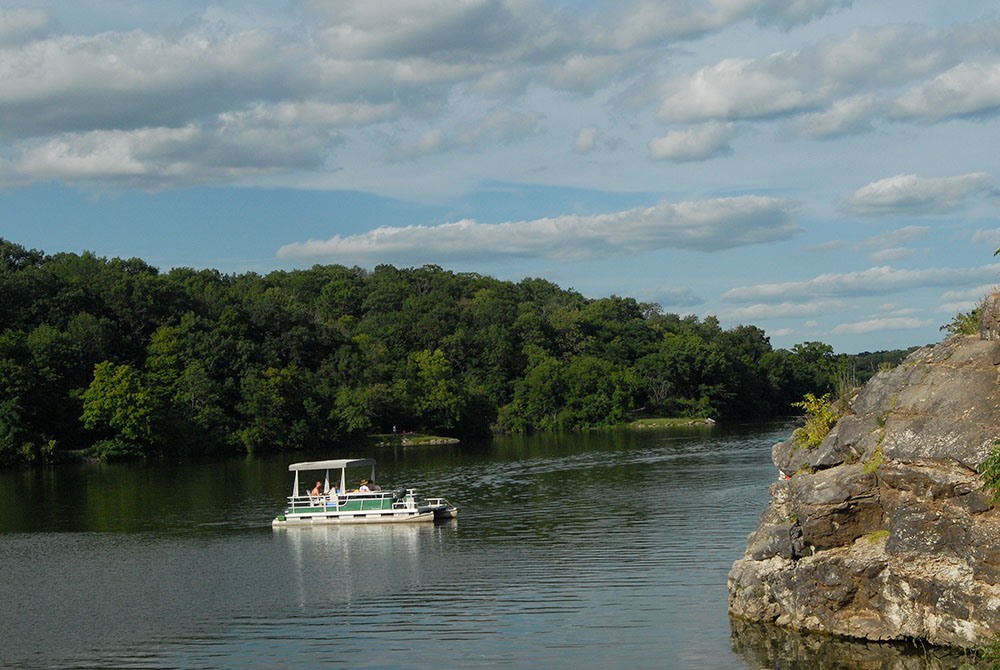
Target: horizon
824	171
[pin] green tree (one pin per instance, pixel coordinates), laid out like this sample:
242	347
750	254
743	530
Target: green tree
119	405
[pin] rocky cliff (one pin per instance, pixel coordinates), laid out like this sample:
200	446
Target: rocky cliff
883	531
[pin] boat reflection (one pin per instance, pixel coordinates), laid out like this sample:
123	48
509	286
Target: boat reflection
338	564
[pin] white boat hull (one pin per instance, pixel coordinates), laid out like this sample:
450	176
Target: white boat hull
318	519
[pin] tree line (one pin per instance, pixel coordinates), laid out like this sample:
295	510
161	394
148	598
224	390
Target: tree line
115	357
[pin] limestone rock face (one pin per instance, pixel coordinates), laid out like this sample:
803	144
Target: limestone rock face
883	532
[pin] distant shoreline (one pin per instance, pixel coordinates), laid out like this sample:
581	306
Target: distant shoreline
642	424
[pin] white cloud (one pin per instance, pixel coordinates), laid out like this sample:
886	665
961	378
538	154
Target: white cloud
895	238
910	194
737	88
132	80
764	311
847	116
889	246
586	140
708	140
150	158
970	294
398	30
968	89
878	324
874	281
21	25
436	77
707	225
649	22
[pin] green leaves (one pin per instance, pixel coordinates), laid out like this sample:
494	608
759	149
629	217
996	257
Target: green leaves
821	416
989	470
118	403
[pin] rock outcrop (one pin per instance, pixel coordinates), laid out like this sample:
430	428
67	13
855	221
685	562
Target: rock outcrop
883	531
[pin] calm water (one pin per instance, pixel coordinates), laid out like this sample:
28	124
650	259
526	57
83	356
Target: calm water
590	551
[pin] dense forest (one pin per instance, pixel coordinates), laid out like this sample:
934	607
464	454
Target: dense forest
115	357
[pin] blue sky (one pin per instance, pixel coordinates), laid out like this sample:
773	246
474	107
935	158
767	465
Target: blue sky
823	169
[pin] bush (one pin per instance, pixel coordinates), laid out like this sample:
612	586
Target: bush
821	416
989	470
116	450
964	323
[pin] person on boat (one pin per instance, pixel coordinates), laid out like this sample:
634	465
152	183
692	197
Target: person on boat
364	488
317	491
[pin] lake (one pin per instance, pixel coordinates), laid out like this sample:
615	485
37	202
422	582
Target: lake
591	550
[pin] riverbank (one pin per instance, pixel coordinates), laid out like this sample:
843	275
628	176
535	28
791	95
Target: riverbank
671	423
410	439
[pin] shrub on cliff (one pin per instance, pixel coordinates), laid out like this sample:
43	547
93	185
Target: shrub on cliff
822	414
989	470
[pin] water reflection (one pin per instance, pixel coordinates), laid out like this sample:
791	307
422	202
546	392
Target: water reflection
335	566
768	646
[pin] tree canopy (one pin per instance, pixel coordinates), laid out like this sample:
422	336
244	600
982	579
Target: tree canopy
115	356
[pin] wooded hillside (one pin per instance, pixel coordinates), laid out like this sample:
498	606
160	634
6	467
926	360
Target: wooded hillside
116	356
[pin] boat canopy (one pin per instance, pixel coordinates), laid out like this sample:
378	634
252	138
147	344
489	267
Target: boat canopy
336	464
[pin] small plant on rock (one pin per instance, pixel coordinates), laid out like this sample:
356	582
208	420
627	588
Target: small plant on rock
821	416
965	323
989	470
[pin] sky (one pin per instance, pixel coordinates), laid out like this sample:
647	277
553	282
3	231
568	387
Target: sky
825	170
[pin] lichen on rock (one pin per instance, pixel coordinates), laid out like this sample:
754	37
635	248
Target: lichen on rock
884	531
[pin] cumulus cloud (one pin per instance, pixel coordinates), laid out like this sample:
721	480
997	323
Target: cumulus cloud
910	194
829	89
437	77
882	280
649	22
709	140
132	80
707	225
847	116
736	88
968	89
152	158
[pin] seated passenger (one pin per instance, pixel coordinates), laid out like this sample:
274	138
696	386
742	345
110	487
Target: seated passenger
364	486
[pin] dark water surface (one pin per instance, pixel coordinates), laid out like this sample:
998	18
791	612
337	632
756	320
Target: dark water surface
599	550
